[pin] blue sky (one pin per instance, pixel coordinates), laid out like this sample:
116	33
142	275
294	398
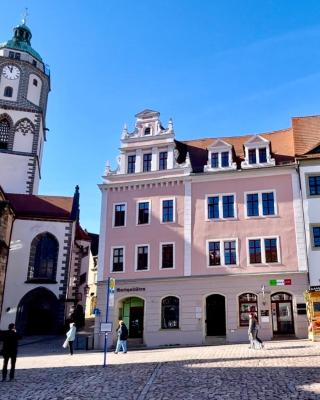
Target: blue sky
218	68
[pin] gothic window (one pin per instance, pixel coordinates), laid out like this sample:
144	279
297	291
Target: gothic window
8	91
43	258
4	133
170	313
24	126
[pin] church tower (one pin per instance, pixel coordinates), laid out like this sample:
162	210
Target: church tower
24	89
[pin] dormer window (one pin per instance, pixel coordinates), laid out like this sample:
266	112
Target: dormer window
257	153
220	156
147	131
8	91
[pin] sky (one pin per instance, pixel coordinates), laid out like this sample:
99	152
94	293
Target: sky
217	68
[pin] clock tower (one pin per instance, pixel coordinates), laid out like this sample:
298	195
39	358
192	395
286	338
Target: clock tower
24	89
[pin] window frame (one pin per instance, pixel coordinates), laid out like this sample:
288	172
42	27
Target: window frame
263	250
149	154
307	177
311	226
220	207
260	204
222	252
165	160
173	199
161	313
5	92
134	164
137	212
136	257
114	214
111	259
173	256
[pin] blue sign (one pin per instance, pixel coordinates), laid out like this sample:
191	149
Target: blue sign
96	312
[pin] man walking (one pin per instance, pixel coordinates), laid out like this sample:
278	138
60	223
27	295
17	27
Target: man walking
9	351
122	331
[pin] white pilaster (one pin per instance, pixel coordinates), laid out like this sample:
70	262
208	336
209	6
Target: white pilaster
154	159
103	235
187	228
138	160
170	159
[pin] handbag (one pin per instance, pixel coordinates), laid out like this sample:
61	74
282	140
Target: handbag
65	344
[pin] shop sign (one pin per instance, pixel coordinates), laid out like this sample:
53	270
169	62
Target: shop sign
134	289
279	282
315	288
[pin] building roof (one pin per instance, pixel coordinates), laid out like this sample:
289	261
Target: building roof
82	234
42	207
286	144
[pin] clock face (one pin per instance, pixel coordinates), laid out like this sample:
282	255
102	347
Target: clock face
11	72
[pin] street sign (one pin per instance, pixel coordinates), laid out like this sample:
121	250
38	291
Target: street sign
105	326
96	312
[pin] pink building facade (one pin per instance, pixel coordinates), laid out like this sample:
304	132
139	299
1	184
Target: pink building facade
199	234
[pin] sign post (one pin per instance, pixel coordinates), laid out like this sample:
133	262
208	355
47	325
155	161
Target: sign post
107	326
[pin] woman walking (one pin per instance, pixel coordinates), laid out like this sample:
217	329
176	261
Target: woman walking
71	335
122	331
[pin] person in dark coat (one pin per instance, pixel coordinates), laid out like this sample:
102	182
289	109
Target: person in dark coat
9	350
122	332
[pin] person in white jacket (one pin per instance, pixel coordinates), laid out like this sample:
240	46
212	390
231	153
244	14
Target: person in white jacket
71	335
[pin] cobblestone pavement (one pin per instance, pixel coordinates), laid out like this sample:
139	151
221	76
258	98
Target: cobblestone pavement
282	370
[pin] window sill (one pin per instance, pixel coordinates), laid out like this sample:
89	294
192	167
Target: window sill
262	216
222	219
169	329
39	280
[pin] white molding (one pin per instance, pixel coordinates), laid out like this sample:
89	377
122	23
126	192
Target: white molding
174	256
187	228
162	199
111	259
102	235
136	257
137	211
114	214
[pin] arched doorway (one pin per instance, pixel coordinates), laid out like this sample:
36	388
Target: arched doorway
216	315
131	311
282	314
37	313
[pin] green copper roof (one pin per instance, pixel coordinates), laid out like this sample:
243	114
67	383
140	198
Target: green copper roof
21	41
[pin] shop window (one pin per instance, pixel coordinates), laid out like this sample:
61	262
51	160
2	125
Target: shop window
248	303
170	313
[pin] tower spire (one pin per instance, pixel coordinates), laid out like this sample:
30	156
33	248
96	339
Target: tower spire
24	16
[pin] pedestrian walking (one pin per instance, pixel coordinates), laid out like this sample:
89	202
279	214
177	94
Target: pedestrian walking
122	332
9	351
261	345
252	331
71	335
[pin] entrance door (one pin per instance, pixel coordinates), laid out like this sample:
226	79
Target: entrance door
282	314
216	315
136	322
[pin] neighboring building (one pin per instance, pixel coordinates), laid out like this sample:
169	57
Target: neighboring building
47	245
90	288
199	233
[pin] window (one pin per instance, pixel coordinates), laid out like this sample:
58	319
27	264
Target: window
316	236
17	56
221	206
83	278
147	131
34	62
43	258
267	203
120	214
248	303
117	259
225	159
143	212
170	313
163	156
261	204
214	160
214	254
255	251
314	185
142	258
230	253
147	162
4	133
262	155
271	250
8	91
167	255
222	252
252	204
228	206
252	156
213	207
11	54
35	82
168	210
131	164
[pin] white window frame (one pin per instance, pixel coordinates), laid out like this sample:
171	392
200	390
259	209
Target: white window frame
127	163
137	211
256	143
221	218
260	208
219	146
114	214
222	255
136	257
142	156
174	256
161	210
124	259
263	250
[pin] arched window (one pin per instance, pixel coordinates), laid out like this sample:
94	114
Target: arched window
147	131
4	133
248	302
170	313
8	91
43	258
